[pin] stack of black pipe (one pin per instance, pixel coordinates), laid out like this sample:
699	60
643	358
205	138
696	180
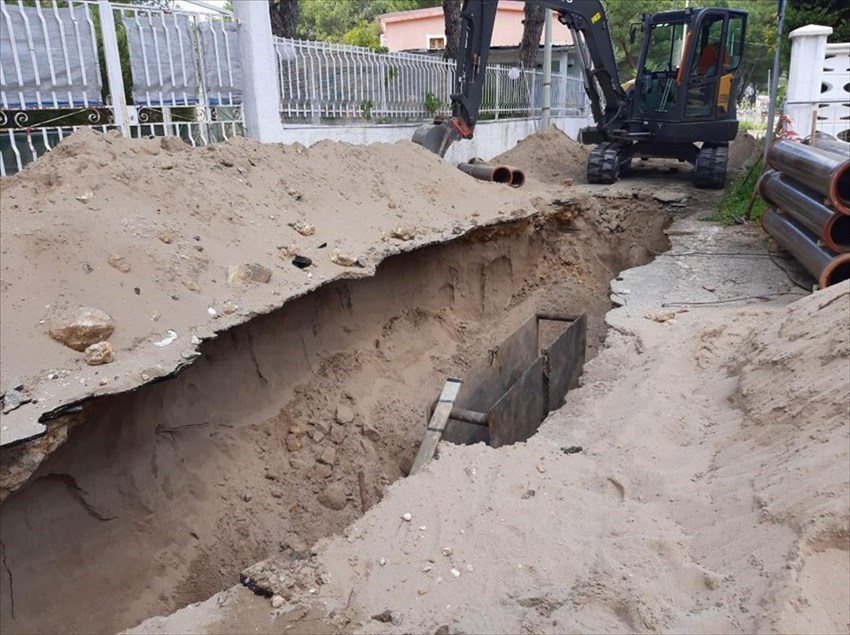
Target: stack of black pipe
808	190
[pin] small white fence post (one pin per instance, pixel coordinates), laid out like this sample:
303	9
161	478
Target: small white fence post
120	111
260	87
808	49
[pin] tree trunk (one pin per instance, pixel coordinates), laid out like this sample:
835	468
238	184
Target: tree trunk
535	15
451	12
284	17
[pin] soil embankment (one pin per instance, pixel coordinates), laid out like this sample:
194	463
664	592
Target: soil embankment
161	496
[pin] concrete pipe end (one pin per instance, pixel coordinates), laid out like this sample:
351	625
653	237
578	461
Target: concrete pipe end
838	270
839	188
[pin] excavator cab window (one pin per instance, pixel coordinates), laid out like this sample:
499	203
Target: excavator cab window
718	46
734	42
660	70
706	59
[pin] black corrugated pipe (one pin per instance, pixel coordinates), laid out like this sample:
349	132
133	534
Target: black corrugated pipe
806	206
822	171
827	268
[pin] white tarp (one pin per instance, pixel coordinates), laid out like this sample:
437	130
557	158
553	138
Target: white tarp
162	59
49	57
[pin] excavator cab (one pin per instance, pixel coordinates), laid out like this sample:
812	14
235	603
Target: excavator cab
682	105
687	66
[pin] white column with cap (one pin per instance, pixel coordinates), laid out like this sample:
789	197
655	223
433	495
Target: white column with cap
808	49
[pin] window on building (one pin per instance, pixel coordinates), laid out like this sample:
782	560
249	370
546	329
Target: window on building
436	42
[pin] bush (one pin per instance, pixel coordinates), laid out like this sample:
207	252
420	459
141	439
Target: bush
747	126
733	206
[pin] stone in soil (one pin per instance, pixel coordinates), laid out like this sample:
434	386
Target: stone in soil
99	353
371	432
86	327
241	274
670	196
345	260
344	414
15	399
328	456
120	263
333	497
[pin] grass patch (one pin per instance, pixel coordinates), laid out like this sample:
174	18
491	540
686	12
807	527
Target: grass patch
736	199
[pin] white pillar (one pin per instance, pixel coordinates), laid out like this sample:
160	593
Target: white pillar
120	112
260	88
808	49
547	71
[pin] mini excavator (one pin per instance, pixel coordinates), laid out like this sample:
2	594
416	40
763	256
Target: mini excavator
681	105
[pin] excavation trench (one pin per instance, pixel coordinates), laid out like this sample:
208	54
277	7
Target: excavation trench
291	424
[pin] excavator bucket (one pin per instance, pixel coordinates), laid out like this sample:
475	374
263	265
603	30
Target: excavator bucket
435	137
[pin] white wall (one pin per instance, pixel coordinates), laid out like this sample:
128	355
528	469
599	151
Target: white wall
834	114
491	137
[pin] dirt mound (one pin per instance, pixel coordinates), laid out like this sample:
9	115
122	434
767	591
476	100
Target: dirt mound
744	151
794	389
157	235
550	156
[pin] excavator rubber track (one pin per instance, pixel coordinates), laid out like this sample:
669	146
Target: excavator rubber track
607	161
710	167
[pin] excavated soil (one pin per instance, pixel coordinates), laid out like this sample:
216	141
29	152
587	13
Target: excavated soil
290	425
552	157
301	411
146	230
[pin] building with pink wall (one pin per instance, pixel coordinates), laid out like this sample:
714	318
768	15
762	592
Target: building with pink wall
424	29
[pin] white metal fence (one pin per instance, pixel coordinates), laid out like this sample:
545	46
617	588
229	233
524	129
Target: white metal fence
144	71
322	82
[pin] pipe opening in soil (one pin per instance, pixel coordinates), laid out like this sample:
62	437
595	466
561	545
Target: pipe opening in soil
289	425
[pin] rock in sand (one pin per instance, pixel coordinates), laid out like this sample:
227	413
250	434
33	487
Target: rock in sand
79	331
240	274
99	353
333	497
344	414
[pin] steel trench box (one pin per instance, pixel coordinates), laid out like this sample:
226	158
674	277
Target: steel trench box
520	382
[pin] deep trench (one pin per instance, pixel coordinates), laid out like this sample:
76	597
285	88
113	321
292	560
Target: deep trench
163	495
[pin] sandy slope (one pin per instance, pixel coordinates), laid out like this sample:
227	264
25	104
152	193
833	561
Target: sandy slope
711	493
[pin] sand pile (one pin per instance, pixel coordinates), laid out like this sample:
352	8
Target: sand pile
157	235
744	150
794	389
549	156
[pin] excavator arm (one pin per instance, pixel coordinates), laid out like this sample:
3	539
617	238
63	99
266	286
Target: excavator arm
589	25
